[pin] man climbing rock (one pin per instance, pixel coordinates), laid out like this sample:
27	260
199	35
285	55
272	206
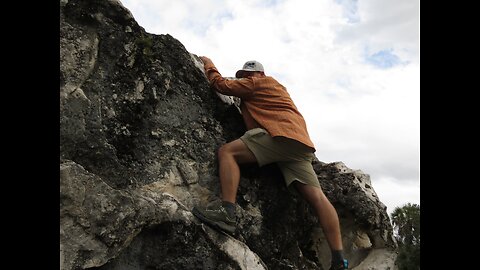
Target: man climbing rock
276	133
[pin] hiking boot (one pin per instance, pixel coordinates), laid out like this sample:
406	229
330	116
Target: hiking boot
340	266
216	217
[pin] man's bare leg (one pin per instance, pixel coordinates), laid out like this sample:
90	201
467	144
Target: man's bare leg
326	213
229	156
223	217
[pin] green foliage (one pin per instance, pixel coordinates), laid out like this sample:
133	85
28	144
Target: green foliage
406	222
145	43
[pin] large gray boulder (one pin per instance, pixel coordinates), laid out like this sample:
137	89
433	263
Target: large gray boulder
139	131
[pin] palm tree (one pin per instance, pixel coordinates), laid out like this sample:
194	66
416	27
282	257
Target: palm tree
406	222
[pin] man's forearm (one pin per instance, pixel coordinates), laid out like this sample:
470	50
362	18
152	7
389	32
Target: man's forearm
220	84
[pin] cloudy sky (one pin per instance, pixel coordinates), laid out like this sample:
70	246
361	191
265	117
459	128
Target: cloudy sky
351	67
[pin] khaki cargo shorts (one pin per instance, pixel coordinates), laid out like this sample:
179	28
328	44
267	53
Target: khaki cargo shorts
293	158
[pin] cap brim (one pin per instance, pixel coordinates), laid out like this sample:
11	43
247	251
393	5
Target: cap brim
239	74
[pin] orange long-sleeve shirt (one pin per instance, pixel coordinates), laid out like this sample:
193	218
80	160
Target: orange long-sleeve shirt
265	103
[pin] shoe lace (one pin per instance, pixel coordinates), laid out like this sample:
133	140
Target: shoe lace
221	210
216	210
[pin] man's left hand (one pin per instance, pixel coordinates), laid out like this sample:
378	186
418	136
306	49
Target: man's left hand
205	60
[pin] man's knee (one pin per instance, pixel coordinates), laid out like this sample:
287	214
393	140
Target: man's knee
238	150
312	194
223	150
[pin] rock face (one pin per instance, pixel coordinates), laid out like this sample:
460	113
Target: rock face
139	129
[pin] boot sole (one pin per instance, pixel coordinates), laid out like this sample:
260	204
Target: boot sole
219	225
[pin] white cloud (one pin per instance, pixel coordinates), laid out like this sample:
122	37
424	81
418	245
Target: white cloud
362	113
394	194
385	24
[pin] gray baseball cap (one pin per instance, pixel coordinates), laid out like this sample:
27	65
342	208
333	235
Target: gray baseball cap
249	66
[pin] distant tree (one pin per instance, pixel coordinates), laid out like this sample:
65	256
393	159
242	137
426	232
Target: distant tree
406	222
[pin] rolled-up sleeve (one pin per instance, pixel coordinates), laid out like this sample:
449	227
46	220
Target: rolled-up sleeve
242	88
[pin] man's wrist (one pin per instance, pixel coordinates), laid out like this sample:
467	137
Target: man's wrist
208	65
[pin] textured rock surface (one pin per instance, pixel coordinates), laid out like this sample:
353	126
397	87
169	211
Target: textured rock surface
139	129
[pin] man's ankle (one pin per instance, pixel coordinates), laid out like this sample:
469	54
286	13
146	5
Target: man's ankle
230	207
337	256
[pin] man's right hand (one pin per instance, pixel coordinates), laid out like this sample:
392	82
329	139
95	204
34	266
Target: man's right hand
205	60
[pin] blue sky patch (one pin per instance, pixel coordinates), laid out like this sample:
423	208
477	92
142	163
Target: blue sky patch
270	3
350	10
200	27
383	59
